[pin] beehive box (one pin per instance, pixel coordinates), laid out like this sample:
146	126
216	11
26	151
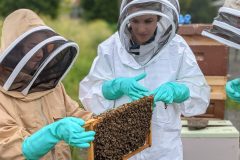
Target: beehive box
212	56
218	96
121	132
218	141
217	84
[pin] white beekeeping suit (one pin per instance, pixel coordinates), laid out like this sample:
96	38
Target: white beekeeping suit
226	26
167	58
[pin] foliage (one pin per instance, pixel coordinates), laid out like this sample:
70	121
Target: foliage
231	104
100	9
49	7
202	11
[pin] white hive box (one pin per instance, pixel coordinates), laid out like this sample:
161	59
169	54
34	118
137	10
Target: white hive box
219	141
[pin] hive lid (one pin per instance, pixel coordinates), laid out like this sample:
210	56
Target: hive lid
213	122
215	129
193	29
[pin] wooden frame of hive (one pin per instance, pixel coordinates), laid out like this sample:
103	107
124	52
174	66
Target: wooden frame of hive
217	84
90	125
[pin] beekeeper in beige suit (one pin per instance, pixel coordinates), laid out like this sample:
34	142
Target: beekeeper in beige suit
36	115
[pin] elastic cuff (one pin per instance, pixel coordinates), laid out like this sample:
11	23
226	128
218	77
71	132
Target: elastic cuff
26	153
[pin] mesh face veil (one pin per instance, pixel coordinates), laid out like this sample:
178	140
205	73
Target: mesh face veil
226	26
167	12
36	61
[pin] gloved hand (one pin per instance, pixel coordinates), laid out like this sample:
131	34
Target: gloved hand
171	92
233	89
68	129
118	87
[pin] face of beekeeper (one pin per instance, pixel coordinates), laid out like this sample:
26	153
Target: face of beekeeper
143	28
34	62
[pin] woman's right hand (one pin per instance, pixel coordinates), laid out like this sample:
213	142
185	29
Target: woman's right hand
68	129
71	131
118	87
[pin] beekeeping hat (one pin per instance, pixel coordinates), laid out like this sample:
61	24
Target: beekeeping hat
166	10
33	56
226	26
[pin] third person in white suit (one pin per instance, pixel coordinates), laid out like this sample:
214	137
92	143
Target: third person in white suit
226	30
145	57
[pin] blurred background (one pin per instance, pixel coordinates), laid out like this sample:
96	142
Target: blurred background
89	22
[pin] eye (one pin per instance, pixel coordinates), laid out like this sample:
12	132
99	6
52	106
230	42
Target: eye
31	45
135	21
148	21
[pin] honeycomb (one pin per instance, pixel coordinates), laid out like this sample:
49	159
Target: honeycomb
122	130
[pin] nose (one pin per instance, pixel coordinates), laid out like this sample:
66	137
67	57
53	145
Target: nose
142	28
39	54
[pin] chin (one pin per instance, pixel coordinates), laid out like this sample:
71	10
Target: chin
143	40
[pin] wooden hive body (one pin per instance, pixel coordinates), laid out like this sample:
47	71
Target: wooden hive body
212	57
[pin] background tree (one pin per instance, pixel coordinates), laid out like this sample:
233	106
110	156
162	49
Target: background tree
100	9
202	11
48	7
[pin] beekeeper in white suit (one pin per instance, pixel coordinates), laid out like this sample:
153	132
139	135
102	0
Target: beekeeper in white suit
146	57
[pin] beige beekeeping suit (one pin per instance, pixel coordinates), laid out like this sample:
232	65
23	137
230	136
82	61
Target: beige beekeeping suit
22	115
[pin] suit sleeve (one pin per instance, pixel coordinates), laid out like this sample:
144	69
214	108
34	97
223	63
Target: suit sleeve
11	137
191	75
90	88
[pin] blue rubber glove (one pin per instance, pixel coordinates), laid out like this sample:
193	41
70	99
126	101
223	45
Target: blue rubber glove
171	92
118	87
233	89
68	129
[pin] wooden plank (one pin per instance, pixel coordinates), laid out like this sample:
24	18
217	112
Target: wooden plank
216	80
89	126
217	84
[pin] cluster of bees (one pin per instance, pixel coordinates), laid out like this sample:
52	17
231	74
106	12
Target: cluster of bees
122	130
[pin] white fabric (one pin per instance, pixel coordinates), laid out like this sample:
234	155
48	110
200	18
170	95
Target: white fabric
147	51
175	62
167	23
221	40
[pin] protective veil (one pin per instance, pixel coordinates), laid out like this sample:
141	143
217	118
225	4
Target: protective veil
226	26
33	61
174	62
167	12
